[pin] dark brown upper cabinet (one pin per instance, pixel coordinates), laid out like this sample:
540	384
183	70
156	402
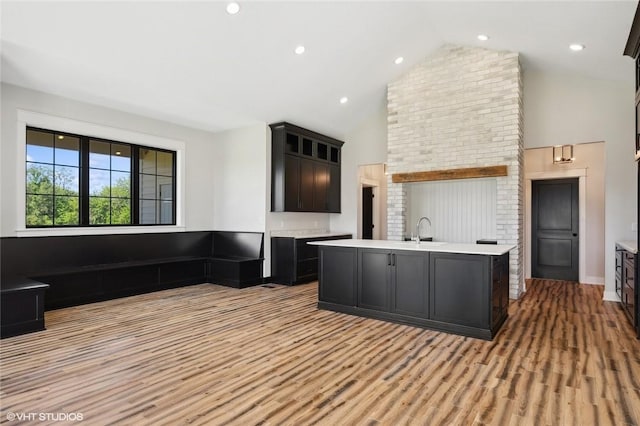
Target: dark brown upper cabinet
305	170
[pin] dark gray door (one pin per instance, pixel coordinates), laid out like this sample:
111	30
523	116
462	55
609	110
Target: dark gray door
554	229
410	283
367	213
373	279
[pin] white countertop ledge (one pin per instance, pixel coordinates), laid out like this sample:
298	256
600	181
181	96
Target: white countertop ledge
629	245
486	249
306	234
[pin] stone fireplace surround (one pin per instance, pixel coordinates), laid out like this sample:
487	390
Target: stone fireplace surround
461	107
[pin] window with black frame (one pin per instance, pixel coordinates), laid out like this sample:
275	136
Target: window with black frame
74	180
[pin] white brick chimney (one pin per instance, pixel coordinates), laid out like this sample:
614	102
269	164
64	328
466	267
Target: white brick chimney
461	107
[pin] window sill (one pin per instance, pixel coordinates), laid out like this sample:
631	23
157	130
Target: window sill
103	230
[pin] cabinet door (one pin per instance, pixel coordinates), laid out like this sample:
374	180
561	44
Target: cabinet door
291	183
321	187
334	189
459	289
499	288
618	274
409	286
337	275
373	279
307	179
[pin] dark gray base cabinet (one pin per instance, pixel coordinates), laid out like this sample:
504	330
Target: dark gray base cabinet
469	290
626	288
393	281
293	261
337	268
457	293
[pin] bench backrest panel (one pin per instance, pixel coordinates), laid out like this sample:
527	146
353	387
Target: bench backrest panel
238	244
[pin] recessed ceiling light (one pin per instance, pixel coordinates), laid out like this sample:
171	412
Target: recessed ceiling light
233	8
399	60
344	100
299	50
483	37
576	47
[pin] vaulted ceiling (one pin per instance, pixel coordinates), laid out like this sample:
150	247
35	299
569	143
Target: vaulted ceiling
194	64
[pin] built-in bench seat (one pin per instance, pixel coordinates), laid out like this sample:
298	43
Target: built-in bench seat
21	306
85	269
237	258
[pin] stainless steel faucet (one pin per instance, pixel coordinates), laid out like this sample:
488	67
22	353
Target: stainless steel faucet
418	227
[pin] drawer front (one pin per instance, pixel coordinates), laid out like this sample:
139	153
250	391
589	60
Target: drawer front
629	273
629	302
619	260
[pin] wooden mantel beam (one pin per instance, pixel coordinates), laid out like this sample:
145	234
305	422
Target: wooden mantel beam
466	173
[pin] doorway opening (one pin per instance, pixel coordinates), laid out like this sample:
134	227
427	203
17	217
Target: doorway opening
367	212
372	202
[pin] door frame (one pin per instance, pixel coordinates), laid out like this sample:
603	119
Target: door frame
376	206
581	174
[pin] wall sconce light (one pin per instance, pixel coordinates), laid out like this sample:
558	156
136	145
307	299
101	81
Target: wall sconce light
563	154
384	169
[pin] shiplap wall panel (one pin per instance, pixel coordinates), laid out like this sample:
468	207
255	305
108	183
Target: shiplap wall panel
460	211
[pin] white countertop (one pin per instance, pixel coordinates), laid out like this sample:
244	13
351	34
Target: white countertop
486	249
306	233
629	245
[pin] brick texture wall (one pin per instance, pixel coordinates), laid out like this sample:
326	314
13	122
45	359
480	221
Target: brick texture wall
461	107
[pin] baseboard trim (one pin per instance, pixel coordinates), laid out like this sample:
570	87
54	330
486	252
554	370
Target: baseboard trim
610	296
593	280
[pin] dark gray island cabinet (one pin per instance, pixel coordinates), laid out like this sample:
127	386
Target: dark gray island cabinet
456	288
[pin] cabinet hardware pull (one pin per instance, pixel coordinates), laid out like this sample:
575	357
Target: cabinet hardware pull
388	259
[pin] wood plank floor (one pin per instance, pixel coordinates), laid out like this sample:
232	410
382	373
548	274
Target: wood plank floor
207	354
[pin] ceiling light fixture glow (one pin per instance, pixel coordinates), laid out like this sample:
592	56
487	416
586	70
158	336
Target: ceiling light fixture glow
483	37
344	100
299	50
576	47
399	60
233	8
60	137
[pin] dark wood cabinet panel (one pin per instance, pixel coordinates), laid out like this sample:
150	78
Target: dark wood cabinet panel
333	195
291	183
373	279
293	261
338	270
459	289
459	293
409	286
394	281
626	264
320	187
499	289
305	174
307	189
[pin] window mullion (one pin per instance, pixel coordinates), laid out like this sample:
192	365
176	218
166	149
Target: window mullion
135	185
84	181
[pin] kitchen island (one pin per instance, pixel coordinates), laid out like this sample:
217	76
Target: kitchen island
451	287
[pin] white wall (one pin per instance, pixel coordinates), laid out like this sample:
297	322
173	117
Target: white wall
365	144
198	152
565	109
240	179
